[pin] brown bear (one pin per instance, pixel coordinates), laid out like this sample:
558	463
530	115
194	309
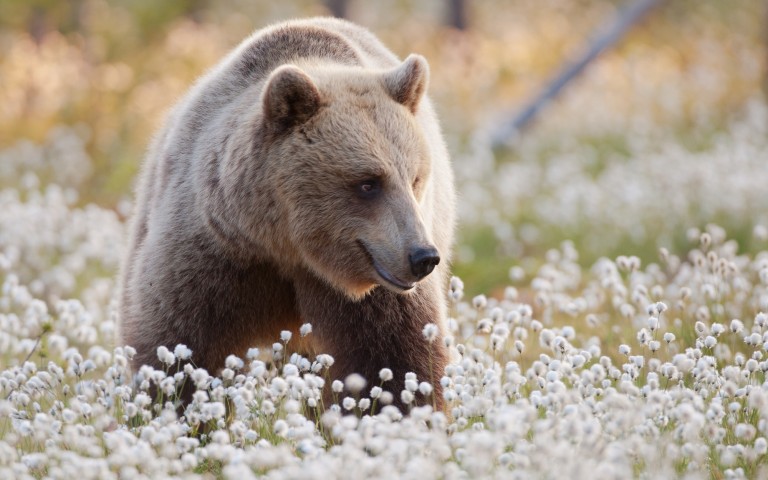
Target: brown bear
303	179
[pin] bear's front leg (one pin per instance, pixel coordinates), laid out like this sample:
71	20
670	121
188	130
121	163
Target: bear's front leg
383	330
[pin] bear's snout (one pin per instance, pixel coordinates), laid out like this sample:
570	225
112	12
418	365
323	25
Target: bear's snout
423	260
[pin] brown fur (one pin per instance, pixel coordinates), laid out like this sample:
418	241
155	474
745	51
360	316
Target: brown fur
250	219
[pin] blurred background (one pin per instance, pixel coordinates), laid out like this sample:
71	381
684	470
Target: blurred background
662	135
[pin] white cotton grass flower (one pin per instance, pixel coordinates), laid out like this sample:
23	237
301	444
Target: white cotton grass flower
568	332
337	386
484	325
736	326
355	383
182	352
166	356
717	329
511	293
425	388
200	377
267	407
325	360
233	362
305	329
281	428
745	431
411	385
653	323
517	274
430	332
761	446
624	349
700	328
480	302
385	374
285	336
68	416
456	289
376	392
290	370
761	320
348	403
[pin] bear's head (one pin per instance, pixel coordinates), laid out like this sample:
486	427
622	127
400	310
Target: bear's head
352	171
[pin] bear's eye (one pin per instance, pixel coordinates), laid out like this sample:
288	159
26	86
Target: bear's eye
368	188
416	183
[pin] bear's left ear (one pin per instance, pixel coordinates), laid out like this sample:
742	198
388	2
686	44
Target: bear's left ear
408	82
290	97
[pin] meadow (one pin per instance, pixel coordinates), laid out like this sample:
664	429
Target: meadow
609	313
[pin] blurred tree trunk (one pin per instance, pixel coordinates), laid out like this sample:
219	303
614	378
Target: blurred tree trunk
457	14
77	14
338	8
195	10
37	25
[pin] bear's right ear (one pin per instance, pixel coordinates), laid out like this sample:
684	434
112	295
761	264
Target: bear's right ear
291	97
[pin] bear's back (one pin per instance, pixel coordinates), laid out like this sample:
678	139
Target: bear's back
331	39
324	38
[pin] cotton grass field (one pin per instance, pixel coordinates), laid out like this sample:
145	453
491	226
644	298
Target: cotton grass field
617	371
609	314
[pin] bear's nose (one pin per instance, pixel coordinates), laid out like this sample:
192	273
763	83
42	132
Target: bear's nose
423	261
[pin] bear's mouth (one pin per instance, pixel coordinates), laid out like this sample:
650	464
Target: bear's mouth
385	275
